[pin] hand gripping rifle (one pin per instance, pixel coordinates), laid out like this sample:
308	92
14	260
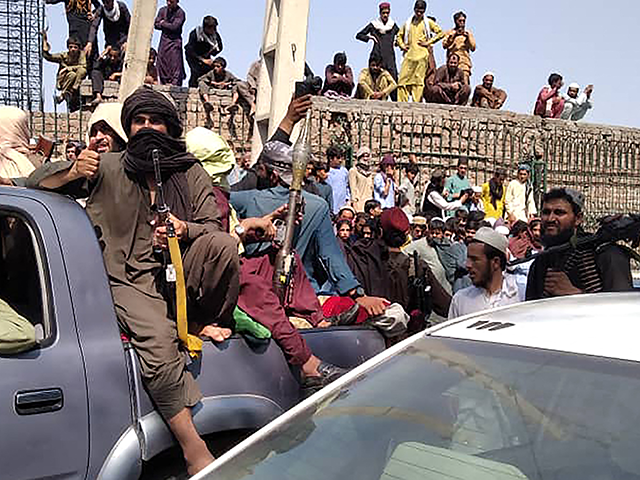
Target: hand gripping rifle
285	261
174	272
612	229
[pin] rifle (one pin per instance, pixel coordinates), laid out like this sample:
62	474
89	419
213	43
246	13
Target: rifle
174	271
285	264
612	229
419	288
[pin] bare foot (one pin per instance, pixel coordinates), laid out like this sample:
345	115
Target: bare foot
216	333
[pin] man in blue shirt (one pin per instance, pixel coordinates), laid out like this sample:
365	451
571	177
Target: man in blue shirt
315	240
338	178
384	187
458	182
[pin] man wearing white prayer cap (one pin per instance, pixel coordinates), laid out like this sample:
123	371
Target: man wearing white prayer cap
577	105
492	287
488	96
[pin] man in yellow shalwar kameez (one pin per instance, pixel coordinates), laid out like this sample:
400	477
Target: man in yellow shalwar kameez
414	39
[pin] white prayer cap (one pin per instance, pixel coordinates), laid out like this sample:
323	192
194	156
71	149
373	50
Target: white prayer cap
503	229
575	85
477	189
487	74
492	238
491	220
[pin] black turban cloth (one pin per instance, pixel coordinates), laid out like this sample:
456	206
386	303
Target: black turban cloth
146	100
174	162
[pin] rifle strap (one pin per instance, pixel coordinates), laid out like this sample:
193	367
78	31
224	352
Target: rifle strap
192	343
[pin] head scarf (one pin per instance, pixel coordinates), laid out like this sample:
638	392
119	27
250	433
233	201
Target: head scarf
110	114
14	143
146	100
174	159
214	153
112	15
212	40
279	157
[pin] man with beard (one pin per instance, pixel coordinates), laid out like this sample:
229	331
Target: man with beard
361	179
492	288
494	194
577	105
170	21
71	71
449	86
382	31
203	45
130	230
580	270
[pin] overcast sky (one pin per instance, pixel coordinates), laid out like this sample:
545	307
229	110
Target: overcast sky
522	41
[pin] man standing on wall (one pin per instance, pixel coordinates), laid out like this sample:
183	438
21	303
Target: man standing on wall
383	31
170	21
414	39
461	41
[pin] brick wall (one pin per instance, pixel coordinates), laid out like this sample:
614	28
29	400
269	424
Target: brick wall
602	161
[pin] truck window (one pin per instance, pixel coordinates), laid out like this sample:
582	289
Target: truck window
21	280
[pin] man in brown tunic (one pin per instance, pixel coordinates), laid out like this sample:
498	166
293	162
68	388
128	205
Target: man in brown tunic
121	206
449	85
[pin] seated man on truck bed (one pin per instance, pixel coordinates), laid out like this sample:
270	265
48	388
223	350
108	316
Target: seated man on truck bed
121	207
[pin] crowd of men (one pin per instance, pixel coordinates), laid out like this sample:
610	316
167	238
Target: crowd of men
372	246
418	79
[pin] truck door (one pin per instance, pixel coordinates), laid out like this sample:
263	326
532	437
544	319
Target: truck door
44	429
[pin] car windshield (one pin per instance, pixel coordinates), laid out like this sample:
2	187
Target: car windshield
463	410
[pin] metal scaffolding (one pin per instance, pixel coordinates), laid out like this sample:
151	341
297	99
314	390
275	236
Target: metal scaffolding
21	22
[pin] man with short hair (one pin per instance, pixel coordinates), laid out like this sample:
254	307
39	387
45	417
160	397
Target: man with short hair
107	67
488	96
577	105
324	189
117	19
384	185
549	103
170	21
203	45
407	190
130	230
461	42
338	78
579	270
361	179
338	178
373	208
449	85
382	31
414	39
218	77
519	202
375	83
71	71
459	182
152	70
492	287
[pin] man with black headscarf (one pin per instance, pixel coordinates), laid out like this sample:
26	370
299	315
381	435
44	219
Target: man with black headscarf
122	209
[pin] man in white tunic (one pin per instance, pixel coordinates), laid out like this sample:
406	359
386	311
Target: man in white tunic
492	287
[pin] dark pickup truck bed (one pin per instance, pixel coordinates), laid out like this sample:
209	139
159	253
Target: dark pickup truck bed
75	408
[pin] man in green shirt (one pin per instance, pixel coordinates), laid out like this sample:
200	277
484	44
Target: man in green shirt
16	332
457	183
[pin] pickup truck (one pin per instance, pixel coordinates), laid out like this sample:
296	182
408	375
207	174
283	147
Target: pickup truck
74	407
